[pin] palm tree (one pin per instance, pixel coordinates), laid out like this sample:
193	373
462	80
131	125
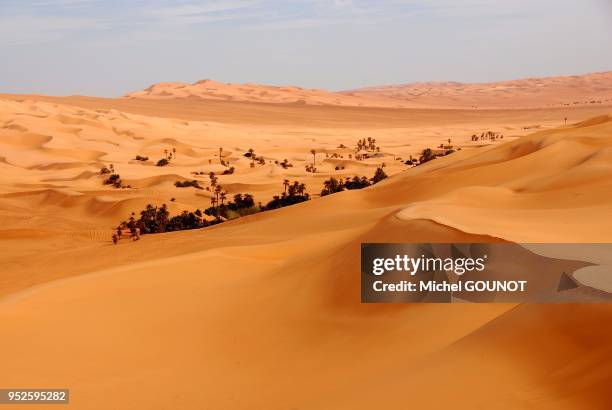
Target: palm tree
379	175
286	184
314	156
220	152
301	188
213	179
218	191
174	152
223	196
426	155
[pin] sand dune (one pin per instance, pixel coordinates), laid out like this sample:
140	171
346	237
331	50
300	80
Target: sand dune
213	90
264	311
589	89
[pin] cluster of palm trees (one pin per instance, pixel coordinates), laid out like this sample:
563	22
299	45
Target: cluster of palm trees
293	193
285	163
155	219
219	196
168	156
242	204
334	185
254	158
428	155
489	135
295	188
113	179
447	145
367	144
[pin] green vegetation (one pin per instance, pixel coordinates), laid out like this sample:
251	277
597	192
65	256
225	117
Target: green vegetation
155	219
311	168
168	156
243	204
426	156
367	144
379	175
185	184
293	194
333	185
489	135
113	178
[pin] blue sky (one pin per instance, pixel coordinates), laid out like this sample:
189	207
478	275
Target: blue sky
110	47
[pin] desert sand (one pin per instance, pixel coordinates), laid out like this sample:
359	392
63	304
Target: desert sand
264	311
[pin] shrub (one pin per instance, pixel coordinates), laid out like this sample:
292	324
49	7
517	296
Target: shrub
379	175
162	162
140	158
114	180
185	184
426	156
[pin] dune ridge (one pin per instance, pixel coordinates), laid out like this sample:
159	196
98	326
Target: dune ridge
560	91
576	90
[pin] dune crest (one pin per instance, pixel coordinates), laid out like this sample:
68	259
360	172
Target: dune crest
213	90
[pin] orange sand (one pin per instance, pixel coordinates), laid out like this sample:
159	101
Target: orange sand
264	311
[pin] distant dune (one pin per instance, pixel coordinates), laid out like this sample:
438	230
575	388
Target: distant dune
213	90
531	92
587	89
